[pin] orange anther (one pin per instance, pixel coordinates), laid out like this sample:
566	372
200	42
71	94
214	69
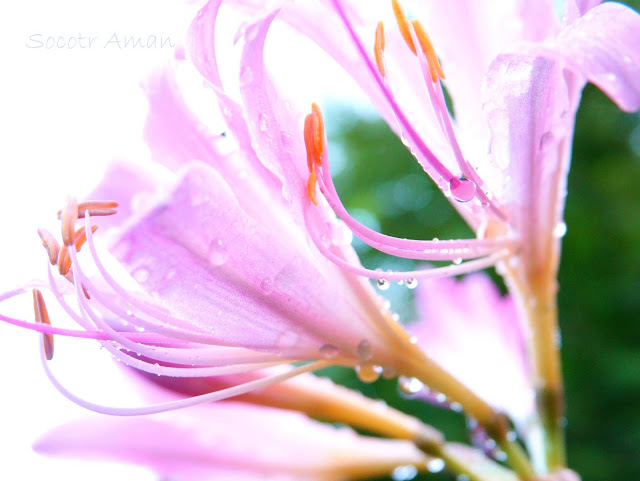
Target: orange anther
50	244
403	25
69	218
42	317
308	142
318	132
378	49
95	208
81	236
427	48
311	185
64	261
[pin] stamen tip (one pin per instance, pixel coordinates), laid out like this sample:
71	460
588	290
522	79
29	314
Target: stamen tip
42	317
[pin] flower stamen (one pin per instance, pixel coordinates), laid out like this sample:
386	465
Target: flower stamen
378	49
314	143
64	261
69	218
403	25
50	244
435	69
95	208
42	317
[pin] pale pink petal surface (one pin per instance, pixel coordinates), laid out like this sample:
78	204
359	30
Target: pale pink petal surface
230	440
476	333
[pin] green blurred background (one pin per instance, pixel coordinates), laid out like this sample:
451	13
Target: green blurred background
599	297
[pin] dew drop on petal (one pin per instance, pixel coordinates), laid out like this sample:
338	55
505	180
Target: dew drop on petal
262	122
328	351
368	372
404	473
266	285
455	407
441	398
141	275
410	385
462	477
411	283
546	140
435	465
560	230
462	189
383	284
246	75
389	372
364	350
287	340
512	436
218	254
457	261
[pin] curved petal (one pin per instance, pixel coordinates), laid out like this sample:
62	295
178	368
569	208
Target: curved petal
468	35
531	122
232	441
238	280
471	317
601	46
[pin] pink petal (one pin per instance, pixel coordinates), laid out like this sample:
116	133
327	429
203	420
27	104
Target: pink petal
232	276
130	185
531	122
471	317
602	46
230	441
468	35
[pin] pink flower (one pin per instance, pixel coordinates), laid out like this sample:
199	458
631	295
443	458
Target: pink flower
231	441
514	73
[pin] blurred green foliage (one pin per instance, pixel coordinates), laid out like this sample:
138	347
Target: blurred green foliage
382	186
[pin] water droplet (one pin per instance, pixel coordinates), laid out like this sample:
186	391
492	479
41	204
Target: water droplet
266	285
262	122
546	140
455	407
411	283
441	398
560	230
328	351
141	275
246	75
364	350
287	339
435	239
383	284
512	436
368	372
218	254
388	372
435	465
457	261
462	477
410	385
462	189
404	473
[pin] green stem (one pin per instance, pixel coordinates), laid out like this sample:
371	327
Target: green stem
496	425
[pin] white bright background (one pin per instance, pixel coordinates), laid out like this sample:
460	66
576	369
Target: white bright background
64	113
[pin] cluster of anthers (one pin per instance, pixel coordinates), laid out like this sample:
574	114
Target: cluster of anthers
60	256
131	326
489	248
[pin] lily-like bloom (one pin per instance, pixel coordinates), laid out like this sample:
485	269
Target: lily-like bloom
232	441
514	72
